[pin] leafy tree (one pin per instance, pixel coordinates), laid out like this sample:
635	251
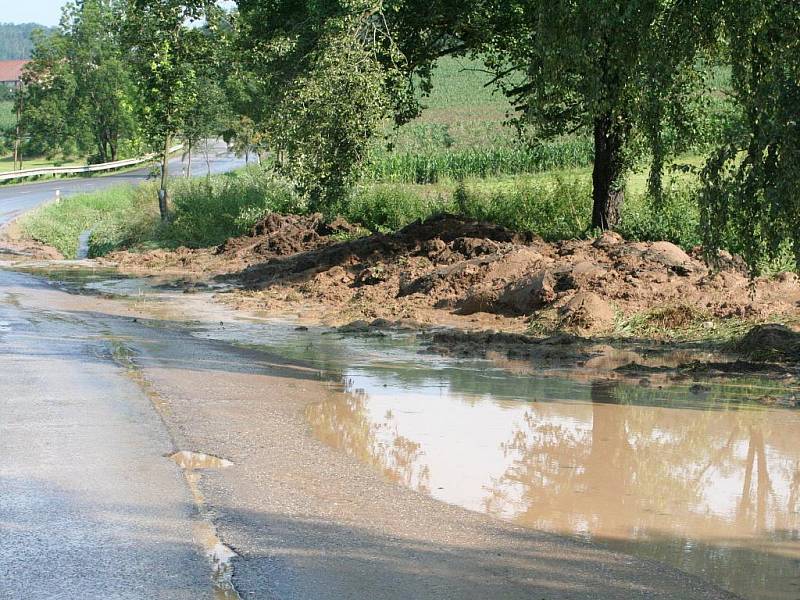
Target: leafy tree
752	184
169	58
77	94
104	96
329	74
47	96
244	138
619	70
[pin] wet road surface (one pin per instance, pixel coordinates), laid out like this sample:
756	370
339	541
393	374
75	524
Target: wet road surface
305	521
89	506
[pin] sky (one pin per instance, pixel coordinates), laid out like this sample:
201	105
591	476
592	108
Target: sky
44	12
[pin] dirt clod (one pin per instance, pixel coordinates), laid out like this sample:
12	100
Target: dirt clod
771	341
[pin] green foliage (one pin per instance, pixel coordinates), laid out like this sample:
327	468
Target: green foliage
331	74
551	207
174	63
384	207
750	201
77	95
7	117
675	217
209	211
622	72
49	89
206	212
60	224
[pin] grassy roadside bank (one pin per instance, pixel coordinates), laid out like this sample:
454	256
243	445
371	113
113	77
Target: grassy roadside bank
207	212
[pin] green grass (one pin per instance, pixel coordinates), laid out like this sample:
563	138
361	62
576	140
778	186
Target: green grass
59	225
7	163
555	205
204	213
433	165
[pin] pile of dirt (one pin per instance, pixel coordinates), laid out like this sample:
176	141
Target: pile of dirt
771	341
282	235
453	271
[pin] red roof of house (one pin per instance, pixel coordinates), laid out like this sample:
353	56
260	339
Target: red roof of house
10	70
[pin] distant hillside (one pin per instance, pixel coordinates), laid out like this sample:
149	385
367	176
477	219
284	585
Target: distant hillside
15	40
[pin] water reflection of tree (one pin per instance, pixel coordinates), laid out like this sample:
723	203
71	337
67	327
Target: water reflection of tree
652	479
343	422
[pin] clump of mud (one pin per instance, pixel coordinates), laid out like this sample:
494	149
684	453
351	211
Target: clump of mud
770	342
454	271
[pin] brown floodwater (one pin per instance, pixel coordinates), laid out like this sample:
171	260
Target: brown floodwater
710	487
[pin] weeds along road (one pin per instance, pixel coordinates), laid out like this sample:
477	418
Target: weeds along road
16	199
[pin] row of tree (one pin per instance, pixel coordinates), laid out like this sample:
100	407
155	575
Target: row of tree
16	41
314	82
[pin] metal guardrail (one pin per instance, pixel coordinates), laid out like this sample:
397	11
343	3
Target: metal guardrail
109	166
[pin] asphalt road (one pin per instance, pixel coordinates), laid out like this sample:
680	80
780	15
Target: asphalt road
17	198
89	505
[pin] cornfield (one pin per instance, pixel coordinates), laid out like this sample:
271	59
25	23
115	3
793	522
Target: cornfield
457	164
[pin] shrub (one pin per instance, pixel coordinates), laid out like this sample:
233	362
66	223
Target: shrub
389	207
675	218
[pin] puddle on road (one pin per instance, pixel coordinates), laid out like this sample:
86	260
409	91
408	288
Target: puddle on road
205	534
692	471
712	488
689	472
197	460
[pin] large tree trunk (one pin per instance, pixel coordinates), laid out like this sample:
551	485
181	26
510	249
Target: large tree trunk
162	193
607	191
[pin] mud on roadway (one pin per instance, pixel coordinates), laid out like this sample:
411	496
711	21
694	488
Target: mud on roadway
493	288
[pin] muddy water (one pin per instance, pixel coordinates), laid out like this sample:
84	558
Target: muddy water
691	473
715	492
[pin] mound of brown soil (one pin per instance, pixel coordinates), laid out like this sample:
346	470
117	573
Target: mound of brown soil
771	341
450	270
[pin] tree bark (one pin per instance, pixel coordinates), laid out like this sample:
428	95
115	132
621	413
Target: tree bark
162	193
607	191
